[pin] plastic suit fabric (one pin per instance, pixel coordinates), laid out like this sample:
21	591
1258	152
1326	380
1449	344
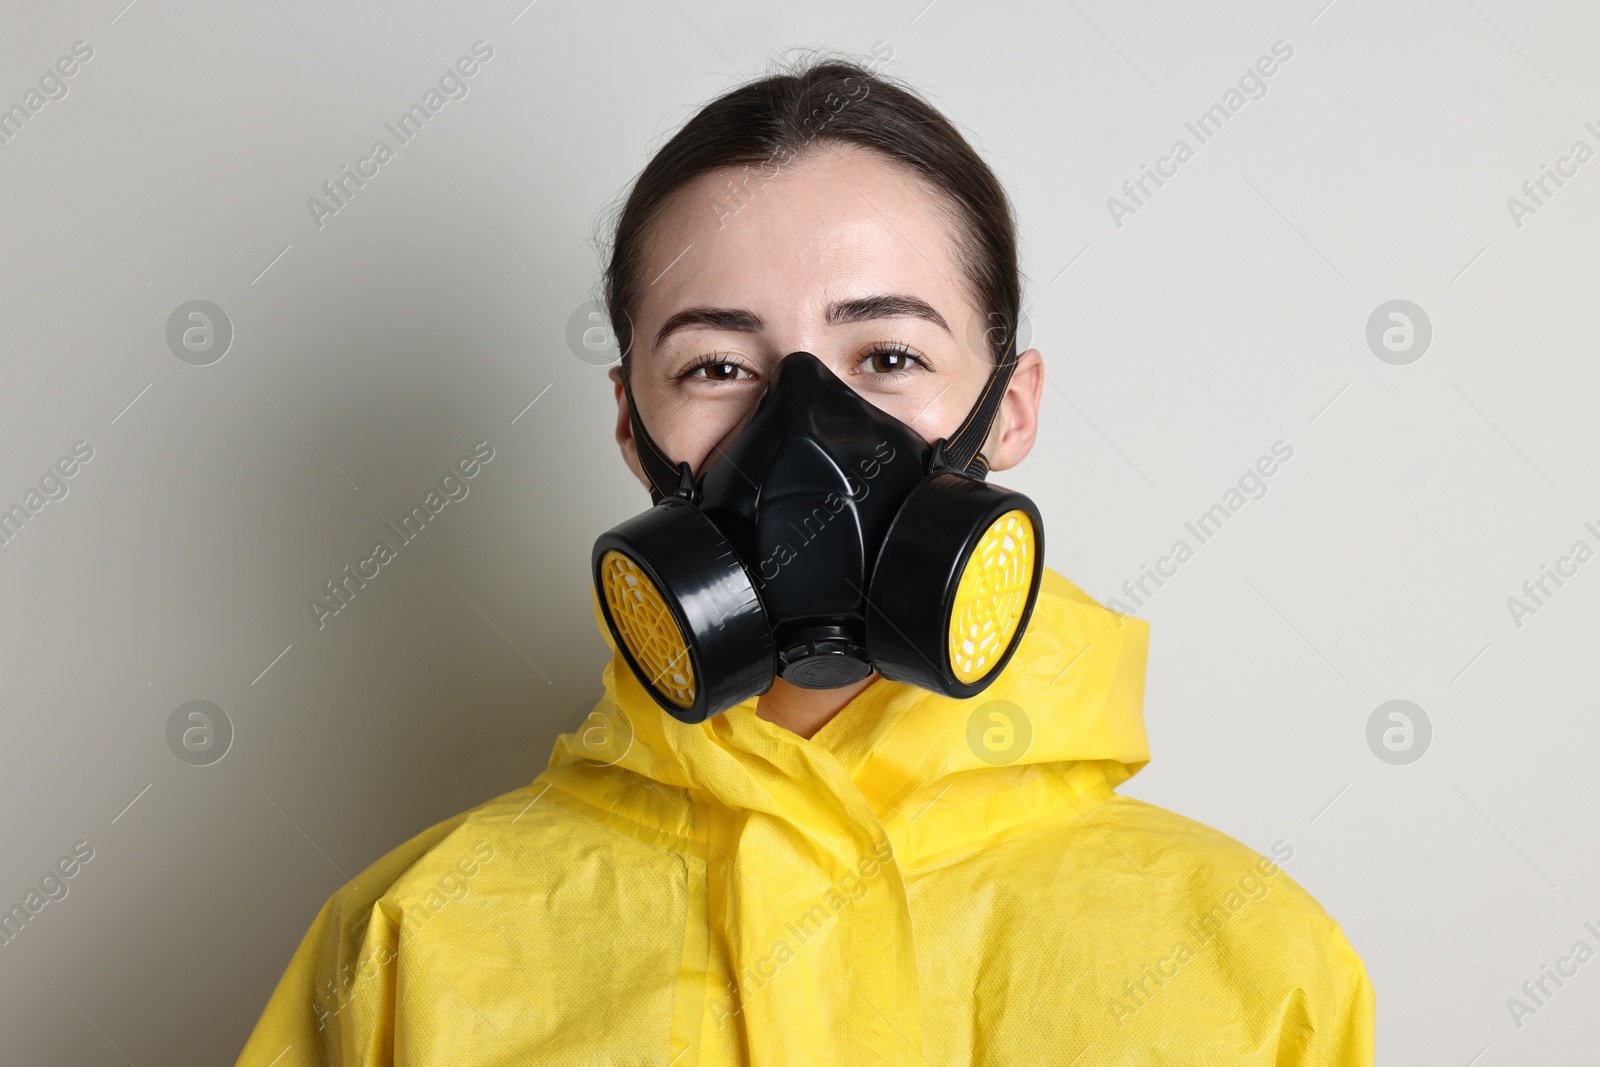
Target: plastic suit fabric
926	881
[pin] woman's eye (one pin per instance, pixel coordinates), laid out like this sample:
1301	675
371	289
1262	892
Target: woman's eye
718	370
888	360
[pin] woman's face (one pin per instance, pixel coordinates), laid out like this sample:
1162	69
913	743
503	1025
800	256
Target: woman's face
842	255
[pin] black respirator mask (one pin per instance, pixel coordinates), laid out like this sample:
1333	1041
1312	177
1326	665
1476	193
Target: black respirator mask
829	540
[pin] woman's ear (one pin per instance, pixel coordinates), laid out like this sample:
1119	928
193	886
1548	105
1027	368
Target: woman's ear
624	428
1016	424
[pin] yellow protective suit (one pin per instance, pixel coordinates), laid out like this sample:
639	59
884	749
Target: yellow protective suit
925	881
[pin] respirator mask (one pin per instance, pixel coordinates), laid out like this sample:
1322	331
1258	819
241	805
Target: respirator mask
826	541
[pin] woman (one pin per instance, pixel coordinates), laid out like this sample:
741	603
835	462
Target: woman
841	868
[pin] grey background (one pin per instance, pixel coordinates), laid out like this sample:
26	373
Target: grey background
369	355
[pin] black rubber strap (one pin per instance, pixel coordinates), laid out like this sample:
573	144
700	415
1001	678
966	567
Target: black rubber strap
666	477
960	449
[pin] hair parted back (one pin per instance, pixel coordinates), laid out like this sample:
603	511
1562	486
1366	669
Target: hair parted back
770	123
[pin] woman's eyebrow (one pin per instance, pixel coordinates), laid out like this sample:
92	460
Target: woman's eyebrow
880	306
884	306
734	319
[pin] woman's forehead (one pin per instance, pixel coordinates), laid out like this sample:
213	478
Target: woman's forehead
833	226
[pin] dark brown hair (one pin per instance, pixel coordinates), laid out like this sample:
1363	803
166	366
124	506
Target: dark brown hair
770	123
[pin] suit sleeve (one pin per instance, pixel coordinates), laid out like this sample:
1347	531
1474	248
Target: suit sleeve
1342	1026
334	1004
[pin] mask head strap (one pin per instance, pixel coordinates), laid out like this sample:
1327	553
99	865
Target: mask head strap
666	477
959	451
